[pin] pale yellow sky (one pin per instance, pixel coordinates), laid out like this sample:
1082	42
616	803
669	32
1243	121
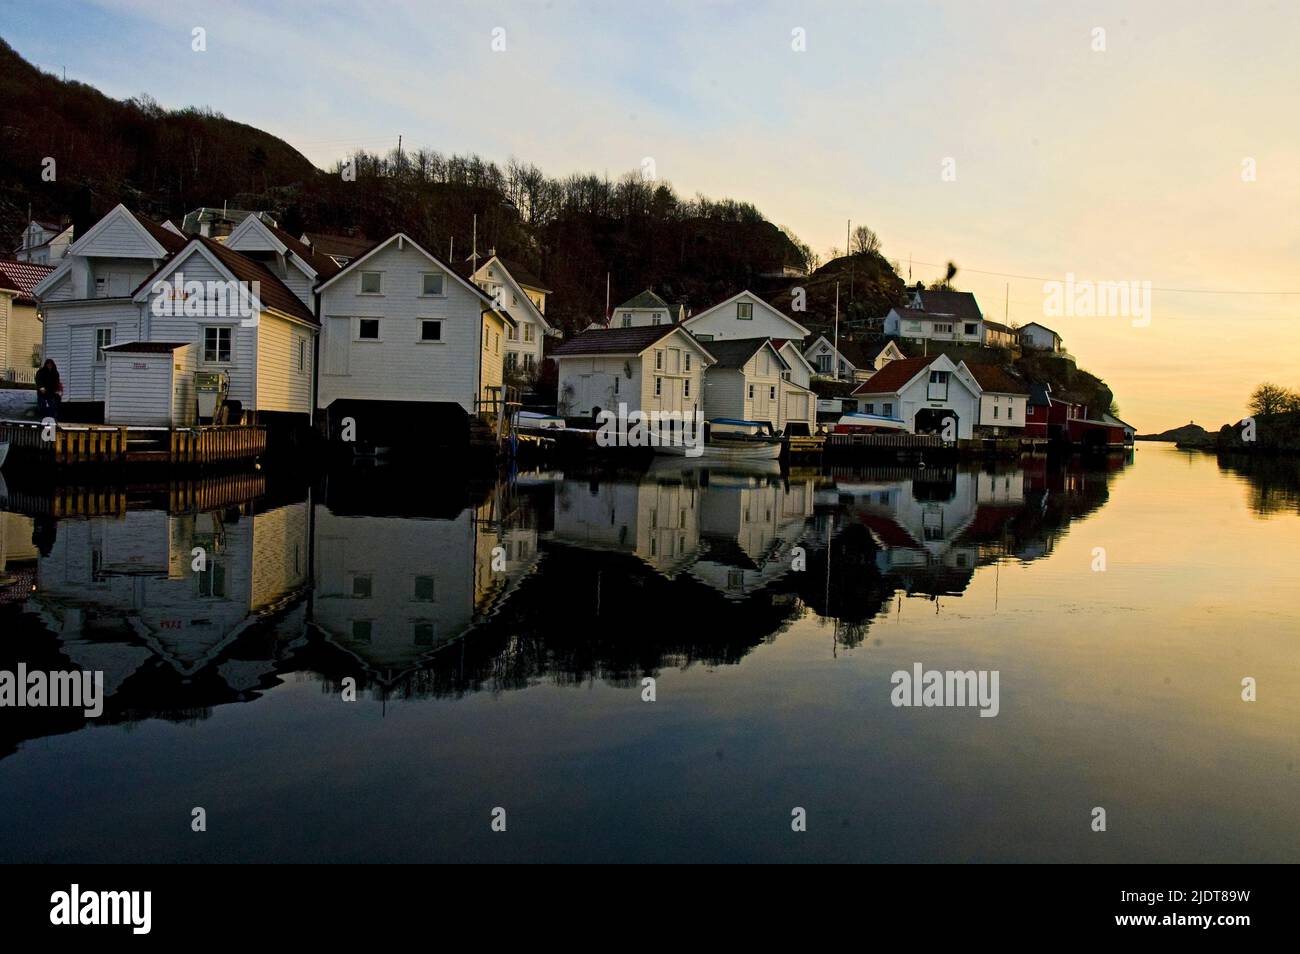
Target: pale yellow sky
1122	164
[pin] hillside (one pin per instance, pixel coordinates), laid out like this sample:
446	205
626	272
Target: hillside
571	230
1190	434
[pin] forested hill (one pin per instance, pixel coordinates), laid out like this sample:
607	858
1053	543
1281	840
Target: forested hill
571	230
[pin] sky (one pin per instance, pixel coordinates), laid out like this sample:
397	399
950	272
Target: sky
1153	143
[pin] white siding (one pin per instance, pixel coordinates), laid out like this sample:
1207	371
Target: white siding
139	389
70	340
722	322
400	367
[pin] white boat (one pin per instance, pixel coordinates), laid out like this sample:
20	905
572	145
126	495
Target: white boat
534	420
727	439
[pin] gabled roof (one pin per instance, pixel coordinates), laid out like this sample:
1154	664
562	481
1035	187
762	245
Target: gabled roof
275	294
991	377
860	354
166	243
646	299
23	277
522	275
895	376
736	352
1039	324
471	271
625	341
338	246
450	270
318	264
956	303
746	293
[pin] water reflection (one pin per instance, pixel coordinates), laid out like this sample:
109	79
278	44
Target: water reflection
415	590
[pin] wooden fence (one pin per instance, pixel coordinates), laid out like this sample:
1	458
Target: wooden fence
90	444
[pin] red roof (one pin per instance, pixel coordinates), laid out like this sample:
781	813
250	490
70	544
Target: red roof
894	376
22	277
992	377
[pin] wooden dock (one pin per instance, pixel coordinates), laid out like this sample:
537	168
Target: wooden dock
903	442
74	445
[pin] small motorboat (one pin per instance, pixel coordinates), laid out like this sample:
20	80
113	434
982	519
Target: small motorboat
868	424
534	420
729	439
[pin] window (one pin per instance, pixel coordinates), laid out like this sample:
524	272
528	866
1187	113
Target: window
422	633
659	360
362	630
528	333
212	584
302	355
362	587
431	283
368	329
688	361
938	377
103	338
616	384
745	310
528	362
430	330
751	392
654	320
971	327
995	412
704	337
627	321
511	334
512	360
1029	412
944	328
496	344
686	387
659	386
216	345
423	589
771	393
869	409
887	410
372	283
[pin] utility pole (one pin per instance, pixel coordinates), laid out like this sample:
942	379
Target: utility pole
836	357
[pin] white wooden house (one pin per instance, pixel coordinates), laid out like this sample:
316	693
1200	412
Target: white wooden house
654	368
949	316
744	315
853	360
88	303
1040	338
295	263
403	333
748	382
523	296
922	393
1003	399
21	328
644	310
44	243
243	322
799	370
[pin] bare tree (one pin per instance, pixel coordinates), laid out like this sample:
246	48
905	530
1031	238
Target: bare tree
865	241
1273	399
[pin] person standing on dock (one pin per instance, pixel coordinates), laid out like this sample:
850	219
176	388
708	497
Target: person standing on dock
49	390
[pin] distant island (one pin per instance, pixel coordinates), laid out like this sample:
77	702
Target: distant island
1189	435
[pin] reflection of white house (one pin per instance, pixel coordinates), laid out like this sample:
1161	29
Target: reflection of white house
1040	337
749	526
923	393
87	300
642	311
939	315
656	522
141	572
750	382
744	315
520	293
657	368
852	360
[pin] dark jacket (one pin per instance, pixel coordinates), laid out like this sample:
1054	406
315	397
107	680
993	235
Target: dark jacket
47	381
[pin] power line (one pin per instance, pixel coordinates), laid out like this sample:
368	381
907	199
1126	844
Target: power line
1181	291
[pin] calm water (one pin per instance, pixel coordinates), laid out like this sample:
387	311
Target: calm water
499	635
